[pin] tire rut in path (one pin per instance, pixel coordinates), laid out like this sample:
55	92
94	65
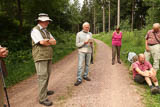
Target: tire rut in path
110	85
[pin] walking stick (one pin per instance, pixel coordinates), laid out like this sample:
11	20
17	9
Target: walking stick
4	85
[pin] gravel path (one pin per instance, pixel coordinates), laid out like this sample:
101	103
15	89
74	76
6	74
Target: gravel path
111	85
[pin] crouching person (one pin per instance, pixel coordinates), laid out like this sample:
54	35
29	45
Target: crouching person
144	72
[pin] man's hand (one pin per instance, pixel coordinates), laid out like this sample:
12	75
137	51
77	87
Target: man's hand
143	73
45	42
147	49
3	52
89	41
152	73
146	74
52	41
86	42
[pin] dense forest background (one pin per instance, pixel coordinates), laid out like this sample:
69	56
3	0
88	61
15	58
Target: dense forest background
17	17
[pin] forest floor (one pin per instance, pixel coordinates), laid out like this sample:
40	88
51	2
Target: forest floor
110	85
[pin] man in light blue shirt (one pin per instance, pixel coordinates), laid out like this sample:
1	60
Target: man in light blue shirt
84	43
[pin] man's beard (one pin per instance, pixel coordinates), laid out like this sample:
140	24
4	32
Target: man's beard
142	62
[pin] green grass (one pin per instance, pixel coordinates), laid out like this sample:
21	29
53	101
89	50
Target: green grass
133	42
18	72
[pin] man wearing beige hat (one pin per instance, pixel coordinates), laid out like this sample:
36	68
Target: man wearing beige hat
42	54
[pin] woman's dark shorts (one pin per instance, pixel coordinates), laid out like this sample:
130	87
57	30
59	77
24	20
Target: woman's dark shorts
139	79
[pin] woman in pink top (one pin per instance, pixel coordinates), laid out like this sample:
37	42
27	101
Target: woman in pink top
116	45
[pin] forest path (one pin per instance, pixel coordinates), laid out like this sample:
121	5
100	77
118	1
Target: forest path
110	86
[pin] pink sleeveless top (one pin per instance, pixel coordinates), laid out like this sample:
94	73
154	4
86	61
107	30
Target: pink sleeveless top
117	39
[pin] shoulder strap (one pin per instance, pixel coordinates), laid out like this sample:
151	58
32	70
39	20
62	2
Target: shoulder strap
156	38
42	33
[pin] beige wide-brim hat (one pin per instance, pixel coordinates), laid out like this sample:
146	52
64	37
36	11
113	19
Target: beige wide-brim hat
43	18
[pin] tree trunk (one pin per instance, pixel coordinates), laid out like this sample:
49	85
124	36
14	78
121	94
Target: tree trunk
152	13
94	21
20	15
118	16
132	23
72	28
109	17
103	18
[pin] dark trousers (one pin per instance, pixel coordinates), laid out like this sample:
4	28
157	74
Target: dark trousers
92	55
116	50
139	79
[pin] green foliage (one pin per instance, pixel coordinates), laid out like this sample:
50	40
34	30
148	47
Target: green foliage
153	15
75	15
125	25
63	13
19	71
141	9
65	45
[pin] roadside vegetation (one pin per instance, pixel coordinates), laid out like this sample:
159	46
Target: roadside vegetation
133	42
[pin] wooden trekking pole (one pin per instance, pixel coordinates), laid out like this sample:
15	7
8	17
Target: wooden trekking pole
4	85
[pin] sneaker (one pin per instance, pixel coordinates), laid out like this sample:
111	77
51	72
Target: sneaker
157	87
86	78
46	102
154	90
78	82
50	92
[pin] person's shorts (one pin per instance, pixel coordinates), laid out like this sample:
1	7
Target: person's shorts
139	79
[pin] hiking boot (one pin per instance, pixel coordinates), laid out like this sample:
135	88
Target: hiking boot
86	78
46	102
119	62
78	82
50	92
154	90
158	89
113	63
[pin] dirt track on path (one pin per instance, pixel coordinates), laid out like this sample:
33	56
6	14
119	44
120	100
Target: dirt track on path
110	85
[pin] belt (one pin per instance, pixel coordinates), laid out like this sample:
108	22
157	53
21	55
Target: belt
152	44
